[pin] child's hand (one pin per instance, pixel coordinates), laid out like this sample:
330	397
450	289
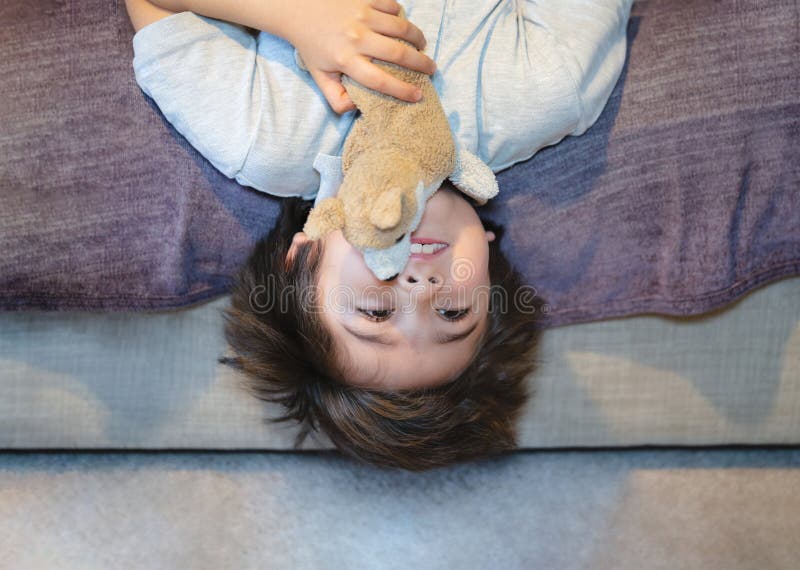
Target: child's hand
337	37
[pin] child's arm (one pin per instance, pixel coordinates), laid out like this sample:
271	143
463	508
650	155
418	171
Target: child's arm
142	13
333	37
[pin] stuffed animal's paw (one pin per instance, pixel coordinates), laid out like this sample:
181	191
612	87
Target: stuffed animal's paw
325	217
473	177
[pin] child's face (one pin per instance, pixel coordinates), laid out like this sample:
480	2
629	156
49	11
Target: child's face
422	328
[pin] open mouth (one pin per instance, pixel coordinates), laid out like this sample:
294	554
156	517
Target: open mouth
426	247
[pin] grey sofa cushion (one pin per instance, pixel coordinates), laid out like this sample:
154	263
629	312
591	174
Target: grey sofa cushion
681	198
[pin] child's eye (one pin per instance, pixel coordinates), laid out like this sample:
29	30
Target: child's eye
453	314
376	315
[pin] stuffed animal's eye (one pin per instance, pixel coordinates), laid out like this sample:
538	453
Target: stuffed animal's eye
398	240
377	315
453	314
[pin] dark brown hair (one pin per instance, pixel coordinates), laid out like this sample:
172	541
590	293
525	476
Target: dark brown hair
288	357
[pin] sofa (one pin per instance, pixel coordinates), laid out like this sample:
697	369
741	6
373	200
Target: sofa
670	259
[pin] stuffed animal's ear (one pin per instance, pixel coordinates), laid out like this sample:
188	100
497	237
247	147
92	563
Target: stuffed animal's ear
327	216
387	209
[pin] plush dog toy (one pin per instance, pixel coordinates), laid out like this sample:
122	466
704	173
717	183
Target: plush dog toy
396	156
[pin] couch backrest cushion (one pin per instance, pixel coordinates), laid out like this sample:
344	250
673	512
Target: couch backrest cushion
681	198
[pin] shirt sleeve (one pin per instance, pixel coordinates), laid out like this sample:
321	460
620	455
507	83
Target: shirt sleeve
518	75
590	36
202	74
242	101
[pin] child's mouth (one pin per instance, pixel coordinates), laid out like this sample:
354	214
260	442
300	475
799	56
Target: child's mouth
425	248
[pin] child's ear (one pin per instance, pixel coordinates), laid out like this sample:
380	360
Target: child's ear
490	236
297	240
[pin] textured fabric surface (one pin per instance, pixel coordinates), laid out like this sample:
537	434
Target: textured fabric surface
682	197
629	510
151	381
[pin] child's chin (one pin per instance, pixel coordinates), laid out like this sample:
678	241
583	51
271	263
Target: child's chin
449	210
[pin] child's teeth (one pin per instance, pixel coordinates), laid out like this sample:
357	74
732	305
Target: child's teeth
427	248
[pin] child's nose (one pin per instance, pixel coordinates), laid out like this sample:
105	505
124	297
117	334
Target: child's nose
418	279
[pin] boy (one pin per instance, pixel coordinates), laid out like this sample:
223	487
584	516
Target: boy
428	369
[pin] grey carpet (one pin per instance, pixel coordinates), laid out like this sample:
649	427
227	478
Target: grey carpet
652	509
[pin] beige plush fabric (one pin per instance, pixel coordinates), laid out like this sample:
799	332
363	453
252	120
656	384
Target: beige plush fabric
151	381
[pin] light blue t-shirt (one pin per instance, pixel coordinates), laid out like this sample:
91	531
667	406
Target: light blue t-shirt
513	77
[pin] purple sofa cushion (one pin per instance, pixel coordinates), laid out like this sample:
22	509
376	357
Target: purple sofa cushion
681	198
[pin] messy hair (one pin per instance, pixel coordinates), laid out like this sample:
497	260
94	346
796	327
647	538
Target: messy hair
288	357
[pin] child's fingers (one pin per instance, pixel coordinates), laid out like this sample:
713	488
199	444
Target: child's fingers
388	49
388	6
370	75
395	27
332	89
